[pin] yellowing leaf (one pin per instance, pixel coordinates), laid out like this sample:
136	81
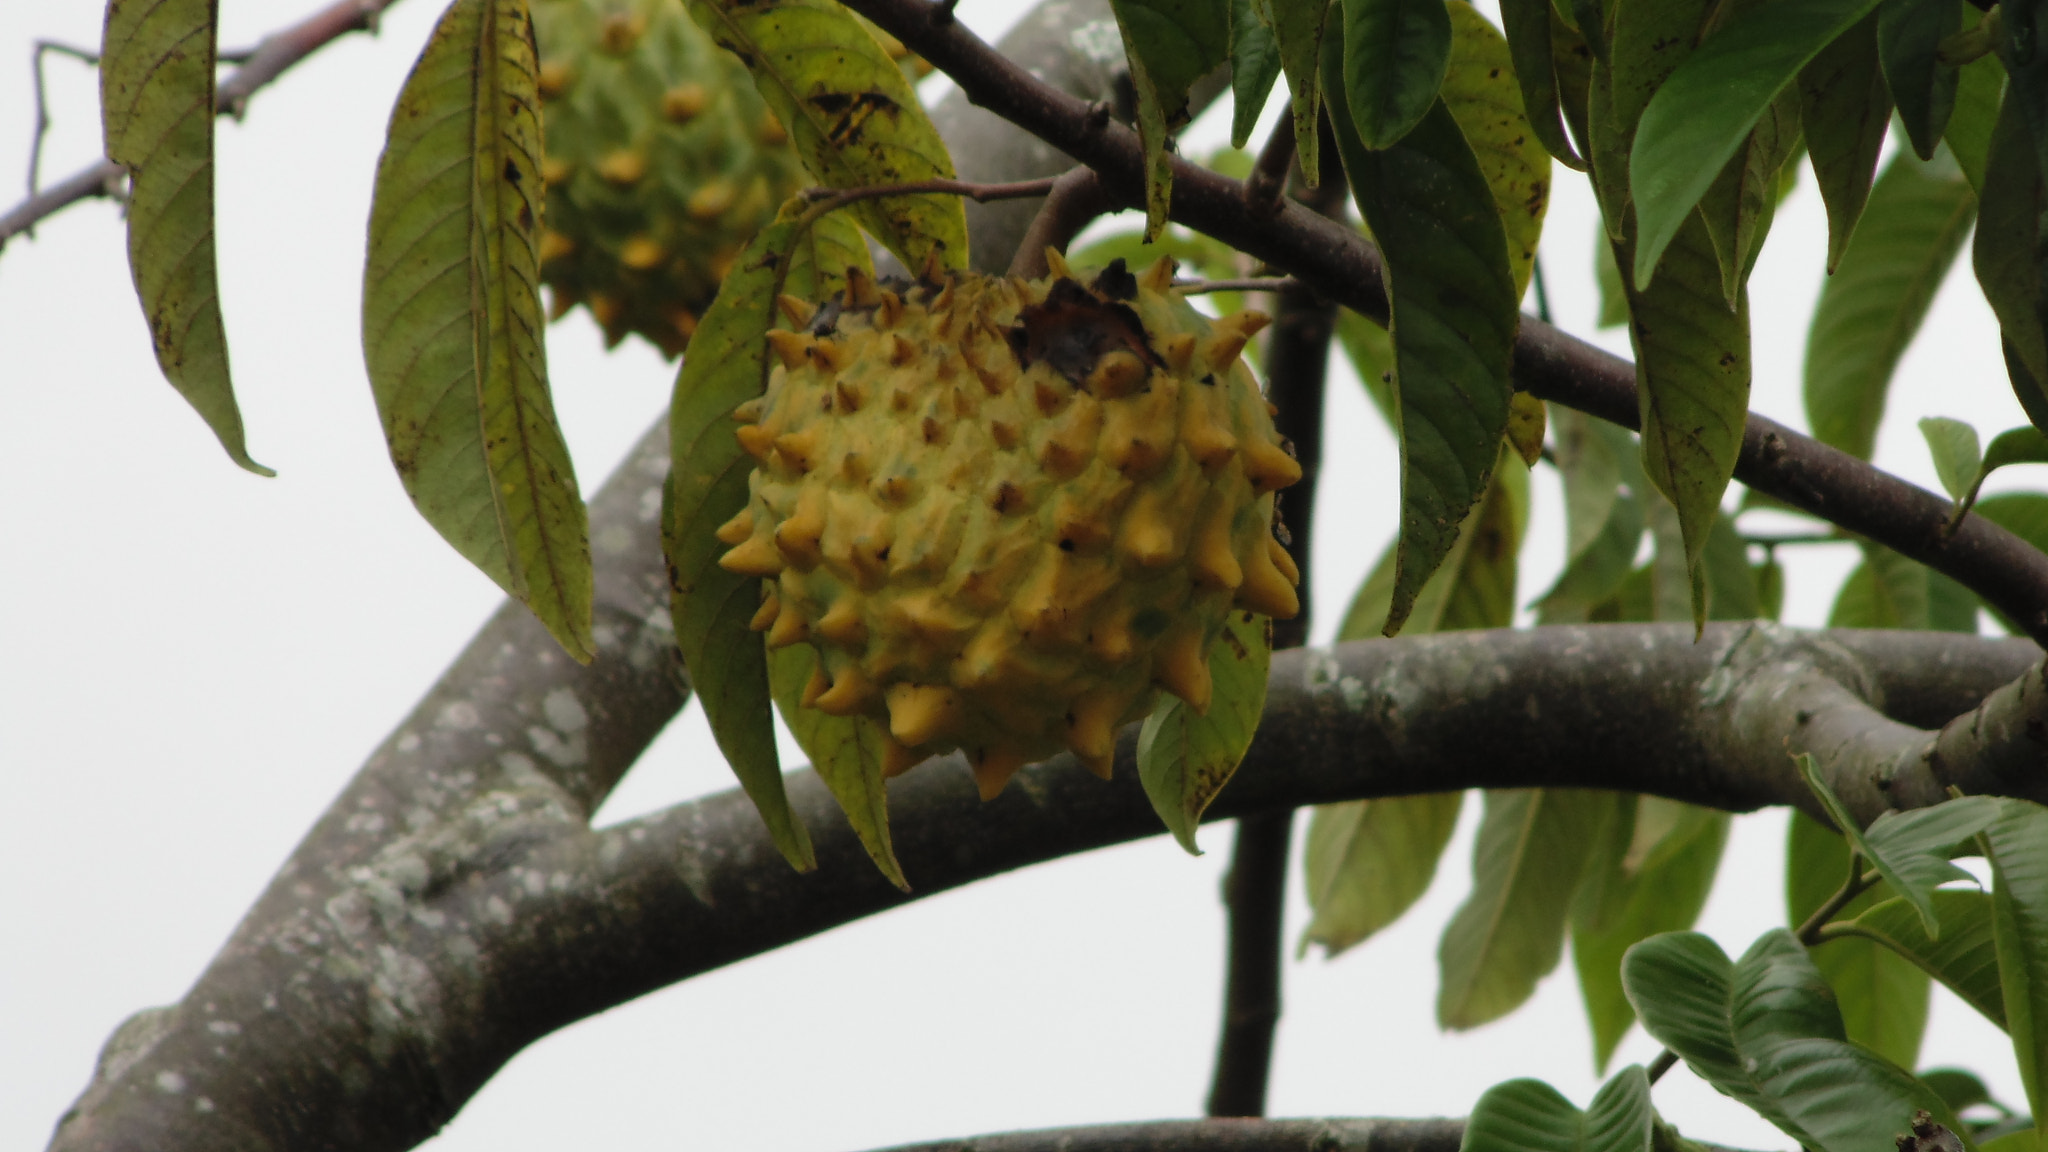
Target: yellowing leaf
850	111
156	87
1170	44
1481	91
452	317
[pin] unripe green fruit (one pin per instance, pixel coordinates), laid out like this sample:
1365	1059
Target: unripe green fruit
662	162
1005	511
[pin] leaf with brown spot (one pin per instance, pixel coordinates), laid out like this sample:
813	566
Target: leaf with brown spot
851	113
157	89
452	317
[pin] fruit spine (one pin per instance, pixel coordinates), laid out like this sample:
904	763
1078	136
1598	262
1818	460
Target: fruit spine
662	161
1003	511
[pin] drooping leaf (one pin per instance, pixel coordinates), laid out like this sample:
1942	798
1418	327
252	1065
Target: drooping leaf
1509	933
1298	30
1481	91
1909	849
1254	67
1965	959
1890	591
1692	375
2026	68
1170	45
1531	1116
1738	206
851	113
708	486
2017	847
1909	36
1603	526
1765	1032
1613	295
1703	111
1475	585
1455	314
1371	351
1651	875
1953	444
1844	108
157	96
452	317
1185	757
1571	61
1871	308
1883	997
845	751
1528	25
1395	53
1979	86
1368	861
2008	226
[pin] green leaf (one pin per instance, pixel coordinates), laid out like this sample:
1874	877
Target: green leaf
1613	294
1529	42
1603	526
1844	108
1883	997
1704	110
2026	67
852	114
1873	305
1455	314
452	317
845	751
1738	206
2015	446
1692	372
1367	861
1960	1089
1909	849
1765	1032
1509	933
1170	45
1965	959
708	485
1298	30
1890	591
2008	225
156	92
1953	444
1909	36
2017	847
1395	53
1371	352
1531	1116
1571	61
1254	66
1480	90
1185	757
1651	875
1979	86
1650	41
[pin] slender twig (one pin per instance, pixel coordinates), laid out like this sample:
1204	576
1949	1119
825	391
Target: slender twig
1248	284
1662	1064
268	60
980	193
1075	200
42	126
1542	290
1335	260
1297	370
1266	186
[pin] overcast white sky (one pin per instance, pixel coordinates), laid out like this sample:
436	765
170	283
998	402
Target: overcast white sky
198	659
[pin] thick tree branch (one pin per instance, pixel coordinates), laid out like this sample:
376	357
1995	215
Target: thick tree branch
1337	261
276	53
437	923
1221	1136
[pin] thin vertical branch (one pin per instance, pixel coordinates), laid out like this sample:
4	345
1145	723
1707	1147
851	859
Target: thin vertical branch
1255	893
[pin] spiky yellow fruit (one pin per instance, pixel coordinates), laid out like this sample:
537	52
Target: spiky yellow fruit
1005	511
662	160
